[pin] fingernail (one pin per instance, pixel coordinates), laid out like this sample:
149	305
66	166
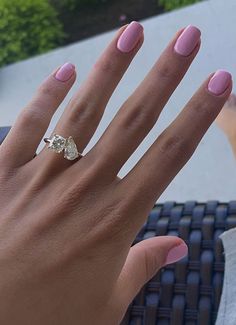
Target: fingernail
176	253
65	72
187	41
130	37
219	82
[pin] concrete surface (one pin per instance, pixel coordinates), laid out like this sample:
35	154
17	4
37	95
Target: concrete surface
211	173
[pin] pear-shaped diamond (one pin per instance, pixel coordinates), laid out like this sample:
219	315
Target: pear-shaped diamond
70	151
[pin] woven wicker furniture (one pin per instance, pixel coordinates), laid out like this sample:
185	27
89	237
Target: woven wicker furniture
187	292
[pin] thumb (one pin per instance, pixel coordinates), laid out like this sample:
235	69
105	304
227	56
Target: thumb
143	262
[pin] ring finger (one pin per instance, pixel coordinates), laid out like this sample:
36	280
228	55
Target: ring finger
140	112
84	112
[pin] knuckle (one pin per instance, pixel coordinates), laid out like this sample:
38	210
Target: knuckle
165	71
201	109
106	66
119	220
82	111
78	110
32	116
107	218
75	192
110	222
69	201
139	117
81	189
175	147
47	90
6	175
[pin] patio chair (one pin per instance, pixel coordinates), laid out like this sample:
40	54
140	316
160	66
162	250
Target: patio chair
3	132
187	292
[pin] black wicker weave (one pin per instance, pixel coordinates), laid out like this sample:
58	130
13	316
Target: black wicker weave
187	292
3	132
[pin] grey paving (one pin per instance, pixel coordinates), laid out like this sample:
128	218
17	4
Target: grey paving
211	173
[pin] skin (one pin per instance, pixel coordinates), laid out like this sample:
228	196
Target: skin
226	121
66	228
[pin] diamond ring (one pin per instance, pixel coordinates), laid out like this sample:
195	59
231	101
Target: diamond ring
59	144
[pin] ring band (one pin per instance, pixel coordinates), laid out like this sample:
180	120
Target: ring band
59	144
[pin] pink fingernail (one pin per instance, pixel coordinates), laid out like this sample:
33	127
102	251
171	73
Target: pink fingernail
176	253
65	72
219	82
187	41
130	37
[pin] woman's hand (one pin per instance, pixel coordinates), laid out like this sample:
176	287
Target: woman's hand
66	227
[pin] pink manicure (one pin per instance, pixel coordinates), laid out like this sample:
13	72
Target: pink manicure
130	37
65	72
219	82
187	41
176	253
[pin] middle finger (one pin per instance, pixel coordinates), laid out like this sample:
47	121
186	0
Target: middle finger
140	112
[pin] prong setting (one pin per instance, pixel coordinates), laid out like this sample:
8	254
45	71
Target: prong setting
57	143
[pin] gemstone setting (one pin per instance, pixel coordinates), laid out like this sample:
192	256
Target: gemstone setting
57	143
70	151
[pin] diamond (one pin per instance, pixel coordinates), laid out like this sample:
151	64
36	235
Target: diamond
70	151
57	143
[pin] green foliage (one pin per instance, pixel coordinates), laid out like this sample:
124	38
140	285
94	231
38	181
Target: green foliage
174	4
76	4
27	27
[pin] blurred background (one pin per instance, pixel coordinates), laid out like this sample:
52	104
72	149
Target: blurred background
37	36
31	27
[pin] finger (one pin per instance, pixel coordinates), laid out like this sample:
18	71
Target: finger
86	108
139	114
144	261
24	137
175	145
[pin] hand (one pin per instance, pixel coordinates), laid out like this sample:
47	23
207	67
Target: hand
66	227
